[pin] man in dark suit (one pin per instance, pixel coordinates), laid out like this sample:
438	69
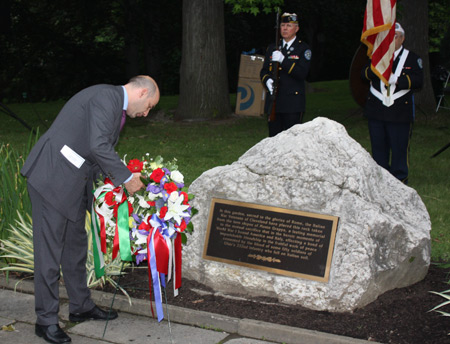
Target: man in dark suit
390	109
61	169
293	57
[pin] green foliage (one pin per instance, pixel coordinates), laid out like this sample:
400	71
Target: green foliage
439	13
253	6
445	294
86	44
13	192
18	250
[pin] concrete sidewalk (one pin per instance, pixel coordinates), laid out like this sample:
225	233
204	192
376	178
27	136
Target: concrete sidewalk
135	324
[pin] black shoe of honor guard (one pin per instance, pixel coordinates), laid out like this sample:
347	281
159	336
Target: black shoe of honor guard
95	313
52	333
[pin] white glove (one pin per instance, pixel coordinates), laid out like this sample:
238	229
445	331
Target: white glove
269	84
393	79
277	56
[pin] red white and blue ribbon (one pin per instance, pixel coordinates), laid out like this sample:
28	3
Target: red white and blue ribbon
163	257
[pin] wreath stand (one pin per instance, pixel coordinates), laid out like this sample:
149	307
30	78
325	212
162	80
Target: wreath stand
118	285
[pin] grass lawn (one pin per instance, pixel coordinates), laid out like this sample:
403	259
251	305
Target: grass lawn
199	146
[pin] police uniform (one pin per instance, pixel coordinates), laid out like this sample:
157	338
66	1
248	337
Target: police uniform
290	100
391	115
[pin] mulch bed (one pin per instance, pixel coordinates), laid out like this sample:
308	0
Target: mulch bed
400	316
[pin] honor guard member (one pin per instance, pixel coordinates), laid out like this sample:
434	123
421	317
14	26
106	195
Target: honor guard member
293	58
390	109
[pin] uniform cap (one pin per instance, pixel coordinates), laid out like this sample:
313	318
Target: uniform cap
398	28
289	18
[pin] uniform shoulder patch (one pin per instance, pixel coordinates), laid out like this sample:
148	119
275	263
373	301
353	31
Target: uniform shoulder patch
420	63
308	54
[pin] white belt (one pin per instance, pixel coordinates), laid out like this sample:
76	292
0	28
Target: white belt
386	99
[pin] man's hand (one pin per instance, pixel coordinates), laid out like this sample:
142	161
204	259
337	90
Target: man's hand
277	56
269	84
135	184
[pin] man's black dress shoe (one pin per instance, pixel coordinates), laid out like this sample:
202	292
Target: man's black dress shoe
52	333
95	313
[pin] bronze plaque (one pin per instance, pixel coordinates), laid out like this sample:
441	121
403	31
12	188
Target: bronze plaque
283	241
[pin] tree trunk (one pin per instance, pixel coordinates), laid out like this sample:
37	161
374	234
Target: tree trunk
203	74
413	17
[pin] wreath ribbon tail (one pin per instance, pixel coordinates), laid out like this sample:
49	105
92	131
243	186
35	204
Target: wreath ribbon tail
115	248
170	267
99	263
102	213
102	233
178	263
149	275
124	232
155	276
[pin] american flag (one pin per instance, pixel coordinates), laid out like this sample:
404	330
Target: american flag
378	34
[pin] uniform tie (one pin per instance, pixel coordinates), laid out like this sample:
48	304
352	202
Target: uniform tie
122	121
285	48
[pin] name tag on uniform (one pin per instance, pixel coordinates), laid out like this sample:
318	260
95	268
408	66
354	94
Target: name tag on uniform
72	156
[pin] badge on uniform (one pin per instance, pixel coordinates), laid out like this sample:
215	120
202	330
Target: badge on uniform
420	63
293	57
308	54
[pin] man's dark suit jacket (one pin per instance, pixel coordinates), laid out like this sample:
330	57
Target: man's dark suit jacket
89	124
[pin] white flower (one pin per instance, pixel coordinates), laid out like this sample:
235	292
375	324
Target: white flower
152	196
173	196
176	210
154	165
141	239
177	177
142	202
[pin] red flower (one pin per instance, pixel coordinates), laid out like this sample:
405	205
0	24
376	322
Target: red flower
157	175
110	199
170	187
145	226
186	197
135	165
163	212
130	208
182	226
151	203
108	181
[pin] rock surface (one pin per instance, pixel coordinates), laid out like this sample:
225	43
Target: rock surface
383	236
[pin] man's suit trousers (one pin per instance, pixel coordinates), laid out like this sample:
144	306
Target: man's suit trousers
58	242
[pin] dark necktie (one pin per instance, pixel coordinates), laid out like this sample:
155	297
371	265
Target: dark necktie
285	48
122	121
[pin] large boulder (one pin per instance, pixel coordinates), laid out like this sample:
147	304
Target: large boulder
383	236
